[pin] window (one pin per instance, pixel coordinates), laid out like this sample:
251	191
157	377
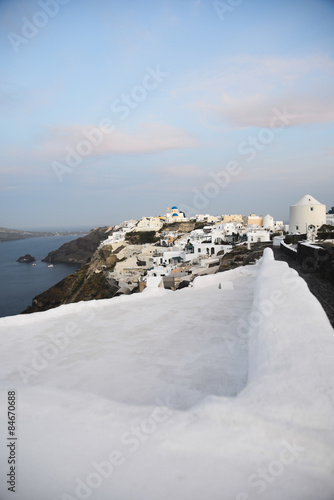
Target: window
297	228
312	208
199	250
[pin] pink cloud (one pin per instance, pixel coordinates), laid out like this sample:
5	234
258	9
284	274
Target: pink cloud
181	171
257	111
242	91
150	138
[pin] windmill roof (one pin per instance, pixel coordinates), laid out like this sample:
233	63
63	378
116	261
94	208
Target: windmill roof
307	200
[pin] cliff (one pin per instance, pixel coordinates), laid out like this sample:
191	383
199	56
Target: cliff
74	288
80	250
182	227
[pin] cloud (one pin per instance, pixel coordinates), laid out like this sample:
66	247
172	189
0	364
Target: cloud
243	91
181	171
153	137
257	111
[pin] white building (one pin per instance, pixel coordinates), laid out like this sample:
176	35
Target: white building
305	214
330	220
279	225
268	222
149	224
204	250
227	228
273	225
170	257
330	217
258	236
175	215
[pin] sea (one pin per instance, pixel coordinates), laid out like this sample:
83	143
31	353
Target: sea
21	282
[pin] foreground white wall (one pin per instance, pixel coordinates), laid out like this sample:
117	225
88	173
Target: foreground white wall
222	391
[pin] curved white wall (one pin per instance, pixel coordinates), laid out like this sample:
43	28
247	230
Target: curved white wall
302	216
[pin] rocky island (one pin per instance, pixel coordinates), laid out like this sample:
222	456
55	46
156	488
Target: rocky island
28	259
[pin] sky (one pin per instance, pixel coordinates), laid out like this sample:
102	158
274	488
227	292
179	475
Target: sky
116	110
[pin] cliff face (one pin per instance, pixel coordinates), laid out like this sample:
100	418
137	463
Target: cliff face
76	287
80	250
181	227
88	283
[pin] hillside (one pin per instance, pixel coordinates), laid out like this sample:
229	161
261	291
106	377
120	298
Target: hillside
74	288
95	280
88	283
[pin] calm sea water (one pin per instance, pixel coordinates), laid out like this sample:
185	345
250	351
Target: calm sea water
20	282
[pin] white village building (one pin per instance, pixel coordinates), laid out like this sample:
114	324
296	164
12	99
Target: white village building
268	222
330	217
258	235
149	224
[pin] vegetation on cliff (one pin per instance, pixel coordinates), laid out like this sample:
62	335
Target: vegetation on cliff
141	237
181	227
242	256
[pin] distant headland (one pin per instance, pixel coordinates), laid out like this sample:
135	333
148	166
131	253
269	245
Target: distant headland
16	234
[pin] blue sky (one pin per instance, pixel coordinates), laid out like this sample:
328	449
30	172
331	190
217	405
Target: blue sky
116	110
